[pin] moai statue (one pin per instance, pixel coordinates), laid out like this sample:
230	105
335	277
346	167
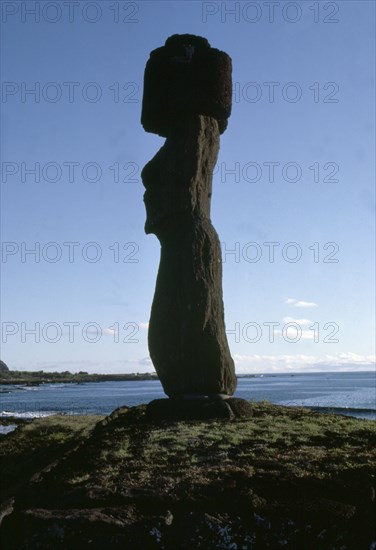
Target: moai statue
187	100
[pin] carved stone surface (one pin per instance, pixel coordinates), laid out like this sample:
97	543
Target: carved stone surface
187	339
185	77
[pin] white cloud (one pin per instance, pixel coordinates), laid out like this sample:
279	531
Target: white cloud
110	331
307	335
347	361
300	322
299	303
143	326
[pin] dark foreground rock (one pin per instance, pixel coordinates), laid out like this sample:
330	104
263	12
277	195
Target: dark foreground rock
282	478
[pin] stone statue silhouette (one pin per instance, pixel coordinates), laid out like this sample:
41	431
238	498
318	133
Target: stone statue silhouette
187	99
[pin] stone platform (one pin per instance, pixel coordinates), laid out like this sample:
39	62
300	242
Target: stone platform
205	408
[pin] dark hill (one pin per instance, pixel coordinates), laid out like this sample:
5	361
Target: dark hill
3	368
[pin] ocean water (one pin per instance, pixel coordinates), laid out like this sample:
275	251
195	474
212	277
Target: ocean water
347	393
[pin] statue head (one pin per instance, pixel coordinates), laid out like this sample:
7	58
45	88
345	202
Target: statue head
182	78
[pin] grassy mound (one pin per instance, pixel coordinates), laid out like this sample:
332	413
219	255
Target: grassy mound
284	478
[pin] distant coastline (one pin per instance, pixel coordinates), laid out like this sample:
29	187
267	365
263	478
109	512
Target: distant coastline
28	378
36	378
40	377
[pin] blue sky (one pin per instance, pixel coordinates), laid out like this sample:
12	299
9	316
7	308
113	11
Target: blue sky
295	178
